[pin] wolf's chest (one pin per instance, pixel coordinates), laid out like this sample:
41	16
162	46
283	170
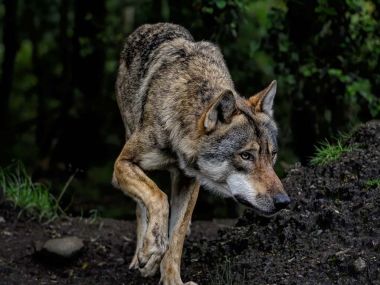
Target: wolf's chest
157	159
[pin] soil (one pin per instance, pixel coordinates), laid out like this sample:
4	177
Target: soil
329	235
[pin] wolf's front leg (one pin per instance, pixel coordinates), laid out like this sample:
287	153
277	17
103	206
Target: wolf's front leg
133	181
141	221
184	196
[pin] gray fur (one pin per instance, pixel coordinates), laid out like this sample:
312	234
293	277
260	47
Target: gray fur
181	113
165	83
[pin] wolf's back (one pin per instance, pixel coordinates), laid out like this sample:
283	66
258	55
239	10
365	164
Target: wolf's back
142	43
138	52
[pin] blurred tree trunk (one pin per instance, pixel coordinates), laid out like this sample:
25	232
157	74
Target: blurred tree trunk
175	11
10	50
88	48
50	86
38	69
157	11
65	90
66	87
88	60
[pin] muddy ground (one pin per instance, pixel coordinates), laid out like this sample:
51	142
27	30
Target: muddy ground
330	235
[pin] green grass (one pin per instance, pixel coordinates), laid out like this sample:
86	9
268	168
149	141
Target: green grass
225	276
373	182
327	152
33	198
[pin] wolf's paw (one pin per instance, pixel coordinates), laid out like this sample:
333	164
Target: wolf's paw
150	255
134	263
170	272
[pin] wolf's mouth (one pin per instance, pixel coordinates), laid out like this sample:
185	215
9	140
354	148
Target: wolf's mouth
242	200
259	211
266	214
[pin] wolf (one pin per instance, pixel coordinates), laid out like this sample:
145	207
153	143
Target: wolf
182	114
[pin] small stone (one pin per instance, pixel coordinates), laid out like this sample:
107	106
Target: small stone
359	265
120	261
2	220
6	233
375	244
65	248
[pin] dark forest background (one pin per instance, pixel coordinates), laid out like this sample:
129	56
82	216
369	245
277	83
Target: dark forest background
58	114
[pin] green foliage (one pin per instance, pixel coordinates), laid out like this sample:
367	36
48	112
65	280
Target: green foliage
224	274
325	56
373	182
33	198
327	59
327	152
94	216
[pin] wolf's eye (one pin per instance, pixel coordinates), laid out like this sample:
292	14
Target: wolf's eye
246	155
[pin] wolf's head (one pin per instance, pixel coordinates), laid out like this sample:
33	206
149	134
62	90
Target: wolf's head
239	148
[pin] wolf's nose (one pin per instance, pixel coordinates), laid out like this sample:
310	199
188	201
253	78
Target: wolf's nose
281	201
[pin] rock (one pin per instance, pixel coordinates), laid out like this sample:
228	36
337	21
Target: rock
60	249
2	220
359	265
120	261
6	233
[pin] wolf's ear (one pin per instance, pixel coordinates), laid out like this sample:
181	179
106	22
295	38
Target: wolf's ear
263	101
220	111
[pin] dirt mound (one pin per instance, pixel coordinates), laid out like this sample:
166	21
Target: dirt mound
330	235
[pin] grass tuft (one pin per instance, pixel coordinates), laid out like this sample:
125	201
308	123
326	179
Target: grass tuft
224	275
33	198
327	152
373	182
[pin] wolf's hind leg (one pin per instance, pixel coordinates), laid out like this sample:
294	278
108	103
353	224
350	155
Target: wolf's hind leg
131	179
141	221
184	196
